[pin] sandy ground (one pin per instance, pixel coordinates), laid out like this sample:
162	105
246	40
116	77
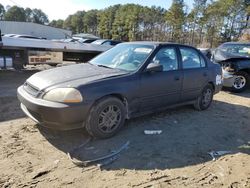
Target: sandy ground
32	156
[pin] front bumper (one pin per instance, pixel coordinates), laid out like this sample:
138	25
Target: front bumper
53	115
228	79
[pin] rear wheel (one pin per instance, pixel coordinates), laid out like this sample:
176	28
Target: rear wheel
106	118
205	99
241	82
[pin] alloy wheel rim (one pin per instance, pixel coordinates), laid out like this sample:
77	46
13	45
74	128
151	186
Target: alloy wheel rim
239	82
207	96
109	118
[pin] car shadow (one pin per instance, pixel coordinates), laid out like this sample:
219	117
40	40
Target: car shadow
187	137
10	80
245	93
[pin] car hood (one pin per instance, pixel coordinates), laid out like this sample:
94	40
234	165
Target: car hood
220	55
84	73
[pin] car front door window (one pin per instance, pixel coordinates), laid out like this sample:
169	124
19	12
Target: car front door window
166	57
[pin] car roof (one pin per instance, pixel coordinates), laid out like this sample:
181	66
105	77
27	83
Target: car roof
236	43
154	43
107	40
102	39
22	36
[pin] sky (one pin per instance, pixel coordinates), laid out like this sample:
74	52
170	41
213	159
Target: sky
60	9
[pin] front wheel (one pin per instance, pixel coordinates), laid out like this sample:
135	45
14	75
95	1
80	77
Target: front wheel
106	118
205	99
241	82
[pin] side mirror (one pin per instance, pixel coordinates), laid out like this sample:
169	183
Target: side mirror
154	67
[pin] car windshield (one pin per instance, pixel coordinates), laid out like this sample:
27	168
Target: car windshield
236	49
128	57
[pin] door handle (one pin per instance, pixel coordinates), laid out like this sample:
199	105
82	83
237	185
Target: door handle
204	74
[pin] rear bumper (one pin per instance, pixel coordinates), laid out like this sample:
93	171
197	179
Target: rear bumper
53	114
218	84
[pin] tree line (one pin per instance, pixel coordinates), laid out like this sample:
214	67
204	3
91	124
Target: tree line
207	24
20	14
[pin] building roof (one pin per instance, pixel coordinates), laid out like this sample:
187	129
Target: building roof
33	29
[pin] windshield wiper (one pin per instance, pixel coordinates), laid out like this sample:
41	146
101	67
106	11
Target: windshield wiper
99	65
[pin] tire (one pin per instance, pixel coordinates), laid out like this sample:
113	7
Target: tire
241	82
205	99
106	118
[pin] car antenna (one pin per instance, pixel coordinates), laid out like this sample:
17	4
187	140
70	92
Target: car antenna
0	35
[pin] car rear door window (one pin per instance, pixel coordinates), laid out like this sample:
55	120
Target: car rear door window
166	56
191	58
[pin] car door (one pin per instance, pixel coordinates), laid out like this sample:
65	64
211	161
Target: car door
159	89
195	73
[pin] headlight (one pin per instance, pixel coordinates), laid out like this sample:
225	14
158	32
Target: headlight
65	95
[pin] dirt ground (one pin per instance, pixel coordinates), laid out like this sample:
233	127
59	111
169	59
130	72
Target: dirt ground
32	156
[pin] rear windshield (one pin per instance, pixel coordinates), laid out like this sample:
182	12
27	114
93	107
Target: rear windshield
236	49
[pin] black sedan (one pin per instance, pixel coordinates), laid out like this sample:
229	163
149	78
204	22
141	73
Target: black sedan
126	81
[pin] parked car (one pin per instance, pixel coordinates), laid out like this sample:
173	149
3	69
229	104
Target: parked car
106	42
70	40
234	58
80	40
24	36
129	80
8	35
86	40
